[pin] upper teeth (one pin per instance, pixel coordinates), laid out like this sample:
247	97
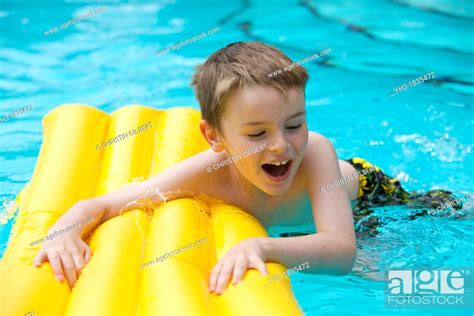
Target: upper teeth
278	163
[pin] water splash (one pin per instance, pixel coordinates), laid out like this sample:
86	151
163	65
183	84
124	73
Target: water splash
445	147
153	198
150	200
8	210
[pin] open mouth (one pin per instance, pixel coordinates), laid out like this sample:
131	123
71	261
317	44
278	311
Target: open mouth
277	170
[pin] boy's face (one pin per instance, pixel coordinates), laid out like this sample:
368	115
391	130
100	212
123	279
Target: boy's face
262	115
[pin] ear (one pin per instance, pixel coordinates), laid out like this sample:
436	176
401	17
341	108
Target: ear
211	135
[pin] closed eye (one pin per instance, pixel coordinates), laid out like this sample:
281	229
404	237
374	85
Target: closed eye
294	127
256	135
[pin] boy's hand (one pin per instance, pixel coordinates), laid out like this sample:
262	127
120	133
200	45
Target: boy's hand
67	254
249	253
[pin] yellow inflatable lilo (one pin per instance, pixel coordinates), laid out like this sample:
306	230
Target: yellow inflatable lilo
126	275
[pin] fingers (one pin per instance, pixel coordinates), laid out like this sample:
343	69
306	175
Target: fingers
214	276
55	261
222	272
78	259
239	271
67	259
69	268
40	258
87	253
242	266
260	266
224	276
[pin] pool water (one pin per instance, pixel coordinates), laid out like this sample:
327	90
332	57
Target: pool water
423	135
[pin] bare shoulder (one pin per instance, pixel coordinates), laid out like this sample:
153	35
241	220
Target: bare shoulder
204	173
317	138
197	171
320	158
319	147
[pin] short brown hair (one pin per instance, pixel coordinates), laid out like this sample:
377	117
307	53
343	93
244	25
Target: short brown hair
242	64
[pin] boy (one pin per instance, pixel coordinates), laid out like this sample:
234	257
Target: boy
293	180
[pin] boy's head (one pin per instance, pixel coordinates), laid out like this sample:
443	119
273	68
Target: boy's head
246	101
239	65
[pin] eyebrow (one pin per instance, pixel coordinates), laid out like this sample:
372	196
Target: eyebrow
260	123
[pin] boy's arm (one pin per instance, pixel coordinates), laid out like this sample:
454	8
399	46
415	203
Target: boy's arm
332	249
180	180
68	253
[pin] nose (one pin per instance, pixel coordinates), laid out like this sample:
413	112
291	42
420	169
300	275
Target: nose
278	144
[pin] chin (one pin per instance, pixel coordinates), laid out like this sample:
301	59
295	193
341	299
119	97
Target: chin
272	189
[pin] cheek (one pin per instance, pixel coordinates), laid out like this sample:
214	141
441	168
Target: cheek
248	163
234	147
300	140
305	139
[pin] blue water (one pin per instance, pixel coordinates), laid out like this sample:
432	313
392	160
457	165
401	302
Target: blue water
422	135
